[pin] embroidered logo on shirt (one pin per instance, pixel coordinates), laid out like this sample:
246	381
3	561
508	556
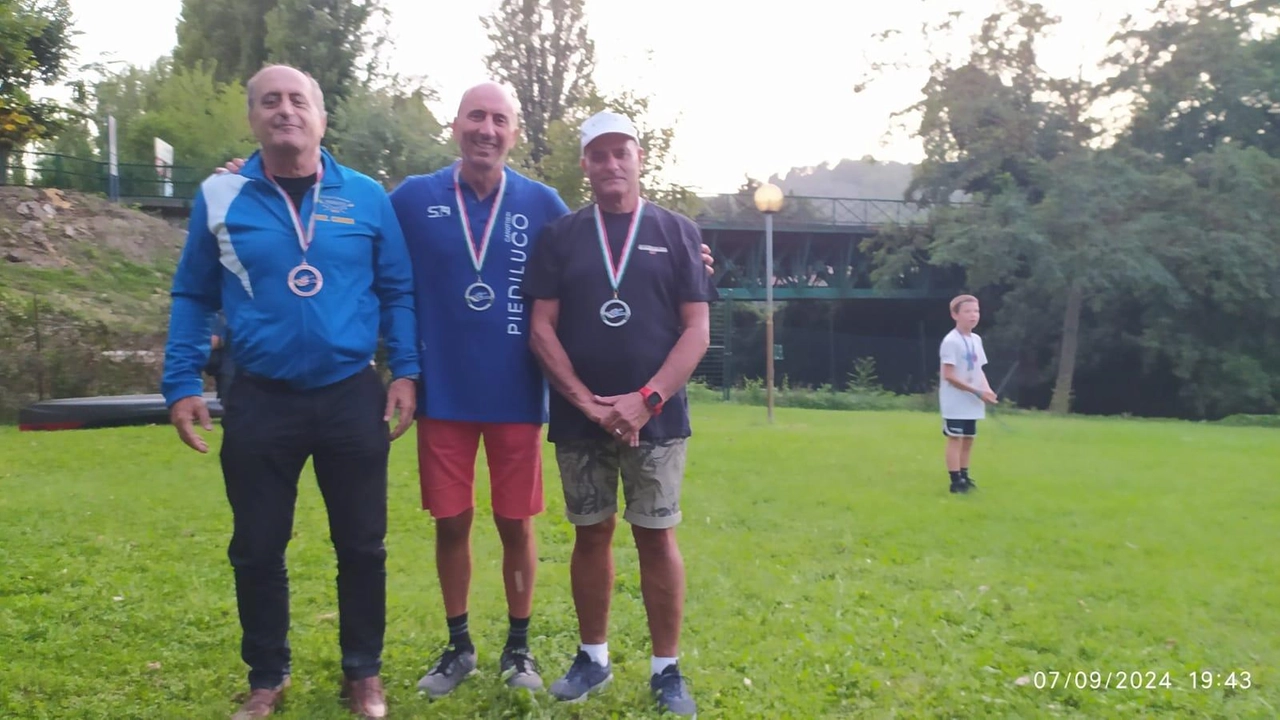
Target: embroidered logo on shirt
652	249
438	211
335	205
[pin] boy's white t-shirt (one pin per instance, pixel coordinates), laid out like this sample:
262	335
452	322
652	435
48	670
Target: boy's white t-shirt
965	352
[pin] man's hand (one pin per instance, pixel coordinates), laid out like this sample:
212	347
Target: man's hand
989	396
627	416
232	166
708	260
185	414
402	398
596	412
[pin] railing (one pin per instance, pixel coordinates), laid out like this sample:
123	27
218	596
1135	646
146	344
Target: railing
135	180
140	182
740	209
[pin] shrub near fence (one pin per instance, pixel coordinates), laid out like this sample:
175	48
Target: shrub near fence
45	354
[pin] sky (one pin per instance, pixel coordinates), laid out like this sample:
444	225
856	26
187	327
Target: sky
749	92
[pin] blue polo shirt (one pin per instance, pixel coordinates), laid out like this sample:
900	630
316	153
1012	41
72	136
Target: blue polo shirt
664	272
476	363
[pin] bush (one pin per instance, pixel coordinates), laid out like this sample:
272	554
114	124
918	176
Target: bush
1267	421
752	392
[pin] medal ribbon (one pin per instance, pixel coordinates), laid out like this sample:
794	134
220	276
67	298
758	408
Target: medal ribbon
477	253
304	240
616	271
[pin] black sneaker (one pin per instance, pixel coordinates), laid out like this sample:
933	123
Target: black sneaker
959	487
584	677
519	669
450	670
671	690
969	483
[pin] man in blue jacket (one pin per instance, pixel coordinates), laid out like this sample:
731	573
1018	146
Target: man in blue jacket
308	263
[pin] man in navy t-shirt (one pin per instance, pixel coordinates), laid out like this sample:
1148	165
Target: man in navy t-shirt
620	321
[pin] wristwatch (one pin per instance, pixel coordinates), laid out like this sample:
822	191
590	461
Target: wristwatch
652	399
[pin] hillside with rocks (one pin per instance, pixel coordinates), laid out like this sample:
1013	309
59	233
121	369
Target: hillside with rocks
87	257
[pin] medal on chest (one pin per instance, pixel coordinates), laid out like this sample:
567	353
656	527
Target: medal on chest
479	296
615	312
305	279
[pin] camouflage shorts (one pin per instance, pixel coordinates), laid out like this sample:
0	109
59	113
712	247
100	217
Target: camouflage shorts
651	477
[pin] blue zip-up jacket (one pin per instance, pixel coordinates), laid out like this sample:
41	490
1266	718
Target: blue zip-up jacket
241	245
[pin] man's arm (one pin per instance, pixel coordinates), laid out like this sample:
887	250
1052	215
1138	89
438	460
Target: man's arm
555	362
196	295
393	284
695	338
629	412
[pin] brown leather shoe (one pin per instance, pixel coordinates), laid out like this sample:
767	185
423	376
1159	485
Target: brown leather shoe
366	697
261	702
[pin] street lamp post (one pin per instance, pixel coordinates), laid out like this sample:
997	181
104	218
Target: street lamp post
768	199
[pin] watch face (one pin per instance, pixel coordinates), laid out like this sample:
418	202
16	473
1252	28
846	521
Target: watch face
654	400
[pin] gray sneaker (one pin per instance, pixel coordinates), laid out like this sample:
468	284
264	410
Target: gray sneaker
584	677
450	670
671	691
519	669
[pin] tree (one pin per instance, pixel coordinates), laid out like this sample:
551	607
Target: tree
1217	330
203	119
229	36
1203	74
542	49
389	133
325	38
997	128
35	48
236	38
71	162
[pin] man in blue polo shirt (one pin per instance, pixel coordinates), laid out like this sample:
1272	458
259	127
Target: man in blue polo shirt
469	229
620	321
305	258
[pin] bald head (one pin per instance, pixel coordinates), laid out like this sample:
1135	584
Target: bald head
490	94
486	127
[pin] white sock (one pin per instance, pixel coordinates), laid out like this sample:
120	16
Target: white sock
599	654
657	664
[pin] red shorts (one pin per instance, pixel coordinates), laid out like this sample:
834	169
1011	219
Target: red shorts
447	467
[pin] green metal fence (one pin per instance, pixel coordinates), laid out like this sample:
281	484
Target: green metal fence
134	182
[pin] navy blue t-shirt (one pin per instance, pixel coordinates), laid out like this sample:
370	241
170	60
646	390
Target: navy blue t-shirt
664	272
476	364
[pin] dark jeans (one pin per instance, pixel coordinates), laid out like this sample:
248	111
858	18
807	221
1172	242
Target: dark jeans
270	430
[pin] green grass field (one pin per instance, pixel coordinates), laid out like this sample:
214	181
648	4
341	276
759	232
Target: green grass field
830	575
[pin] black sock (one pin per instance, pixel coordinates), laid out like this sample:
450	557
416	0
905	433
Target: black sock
459	637
955	477
518	634
964	473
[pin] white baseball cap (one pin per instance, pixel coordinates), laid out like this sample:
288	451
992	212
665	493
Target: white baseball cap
607	123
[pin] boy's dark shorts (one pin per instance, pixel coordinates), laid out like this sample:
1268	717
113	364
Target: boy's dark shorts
960	428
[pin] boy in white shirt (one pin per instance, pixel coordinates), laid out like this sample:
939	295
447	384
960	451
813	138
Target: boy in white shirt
963	389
